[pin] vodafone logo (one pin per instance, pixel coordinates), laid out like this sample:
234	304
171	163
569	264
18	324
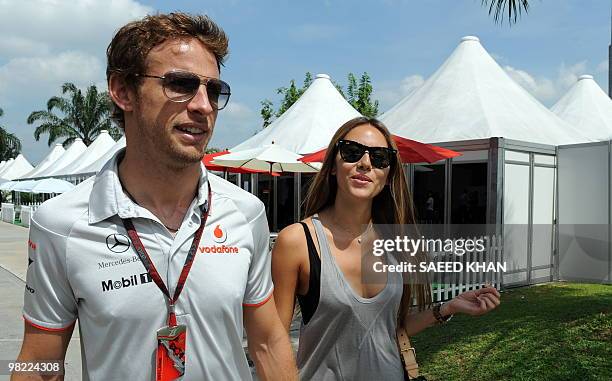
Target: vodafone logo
219	234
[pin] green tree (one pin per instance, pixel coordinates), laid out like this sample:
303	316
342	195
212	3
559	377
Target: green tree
359	95
10	145
513	8
267	112
292	93
81	115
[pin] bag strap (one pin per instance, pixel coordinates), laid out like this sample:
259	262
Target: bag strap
407	353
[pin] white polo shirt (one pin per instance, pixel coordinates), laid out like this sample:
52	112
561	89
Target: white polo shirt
82	266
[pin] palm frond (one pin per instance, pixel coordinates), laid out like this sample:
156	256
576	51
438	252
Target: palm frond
10	145
78	113
513	8
59	103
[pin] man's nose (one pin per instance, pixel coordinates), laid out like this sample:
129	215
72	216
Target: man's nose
200	103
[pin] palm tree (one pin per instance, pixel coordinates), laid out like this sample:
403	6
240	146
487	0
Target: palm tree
499	7
83	116
10	145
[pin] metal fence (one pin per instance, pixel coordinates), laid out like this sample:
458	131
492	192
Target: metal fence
448	285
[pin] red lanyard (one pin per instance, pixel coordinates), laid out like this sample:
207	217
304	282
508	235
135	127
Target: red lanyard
150	267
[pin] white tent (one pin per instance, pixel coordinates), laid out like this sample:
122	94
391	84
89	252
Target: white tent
308	125
2	163
56	152
103	143
98	164
587	107
72	153
16	168
471	97
24	186
8	185
52	186
5	165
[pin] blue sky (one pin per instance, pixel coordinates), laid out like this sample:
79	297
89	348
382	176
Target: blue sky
399	43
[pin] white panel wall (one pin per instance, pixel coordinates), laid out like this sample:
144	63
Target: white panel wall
543	215
584	207
516	219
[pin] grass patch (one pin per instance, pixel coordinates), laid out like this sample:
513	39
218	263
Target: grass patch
556	331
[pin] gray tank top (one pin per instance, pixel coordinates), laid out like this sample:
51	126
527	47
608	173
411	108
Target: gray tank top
350	337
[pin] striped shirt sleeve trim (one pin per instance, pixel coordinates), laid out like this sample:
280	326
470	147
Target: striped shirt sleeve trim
47	328
262	302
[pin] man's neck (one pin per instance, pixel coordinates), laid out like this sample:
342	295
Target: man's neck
166	192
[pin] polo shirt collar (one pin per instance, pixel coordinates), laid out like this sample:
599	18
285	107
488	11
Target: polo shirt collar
107	198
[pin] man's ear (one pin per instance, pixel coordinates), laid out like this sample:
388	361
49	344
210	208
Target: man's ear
121	93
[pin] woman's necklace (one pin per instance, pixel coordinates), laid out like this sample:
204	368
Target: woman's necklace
367	229
360	238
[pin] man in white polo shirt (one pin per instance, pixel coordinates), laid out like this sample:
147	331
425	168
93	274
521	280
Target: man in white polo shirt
159	261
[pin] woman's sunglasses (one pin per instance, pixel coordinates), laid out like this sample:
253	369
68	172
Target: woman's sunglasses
351	152
182	86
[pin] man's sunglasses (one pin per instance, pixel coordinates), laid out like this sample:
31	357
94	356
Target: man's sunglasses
351	152
182	86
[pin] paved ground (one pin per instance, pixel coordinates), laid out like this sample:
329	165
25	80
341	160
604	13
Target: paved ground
13	265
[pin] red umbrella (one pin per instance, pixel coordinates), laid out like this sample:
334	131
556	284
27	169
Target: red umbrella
410	151
213	167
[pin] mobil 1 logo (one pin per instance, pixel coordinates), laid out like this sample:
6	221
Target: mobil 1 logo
124	282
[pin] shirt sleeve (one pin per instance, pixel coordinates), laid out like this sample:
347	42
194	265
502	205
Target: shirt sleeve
49	302
259	283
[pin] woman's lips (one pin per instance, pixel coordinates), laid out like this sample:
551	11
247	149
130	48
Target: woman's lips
360	180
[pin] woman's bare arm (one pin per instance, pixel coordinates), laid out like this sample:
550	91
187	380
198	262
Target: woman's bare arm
474	303
288	255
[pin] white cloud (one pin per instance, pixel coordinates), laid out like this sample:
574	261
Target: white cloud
546	89
17	46
64	24
541	88
568	75
602	67
389	93
236	123
48	42
20	77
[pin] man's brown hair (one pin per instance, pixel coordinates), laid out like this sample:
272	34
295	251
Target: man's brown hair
128	50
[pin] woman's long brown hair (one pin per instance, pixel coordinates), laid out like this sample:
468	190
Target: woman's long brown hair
392	206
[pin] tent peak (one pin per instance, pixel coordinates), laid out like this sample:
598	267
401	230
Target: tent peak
585	76
470	38
321	75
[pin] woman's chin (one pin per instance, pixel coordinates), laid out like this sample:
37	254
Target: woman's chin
361	193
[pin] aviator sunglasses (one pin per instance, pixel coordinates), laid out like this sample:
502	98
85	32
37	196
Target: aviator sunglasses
182	86
351	152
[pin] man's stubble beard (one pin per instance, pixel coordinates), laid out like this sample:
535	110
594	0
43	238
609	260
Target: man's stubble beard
161	146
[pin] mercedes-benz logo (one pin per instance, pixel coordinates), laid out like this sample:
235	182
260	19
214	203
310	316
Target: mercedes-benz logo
117	243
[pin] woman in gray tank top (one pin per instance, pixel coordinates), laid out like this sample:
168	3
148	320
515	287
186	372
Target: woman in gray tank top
348	329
